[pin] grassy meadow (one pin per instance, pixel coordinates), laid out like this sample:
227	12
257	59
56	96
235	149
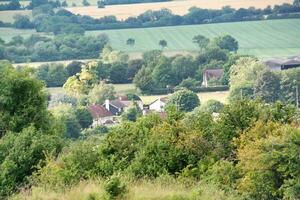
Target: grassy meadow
263	39
7	33
179	7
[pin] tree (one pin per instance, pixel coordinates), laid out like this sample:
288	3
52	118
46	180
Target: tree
101	4
267	86
22	22
189	83
66	114
296	2
130	42
23	101
36	3
245	72
101	92
85	3
183	67
84	117
227	42
162	73
163	43
212	106
131	114
185	100
64	4
143	80
73	68
118	73
267	163
201	41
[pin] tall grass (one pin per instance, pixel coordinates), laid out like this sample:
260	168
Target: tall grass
158	189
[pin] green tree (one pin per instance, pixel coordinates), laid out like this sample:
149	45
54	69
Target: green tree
101	92
118	73
101	4
267	155
267	86
201	41
212	106
21	154
296	2
132	114
185	100
143	80
130	42
22	22
73	68
163	43
85	3
183	67
227	42
66	114
84	117
22	102
162	73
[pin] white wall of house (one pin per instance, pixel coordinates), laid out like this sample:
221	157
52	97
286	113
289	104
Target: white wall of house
157	106
101	121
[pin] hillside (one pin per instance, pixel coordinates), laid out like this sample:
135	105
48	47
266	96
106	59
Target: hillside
261	38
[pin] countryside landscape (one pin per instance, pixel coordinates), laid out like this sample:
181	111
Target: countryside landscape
149	100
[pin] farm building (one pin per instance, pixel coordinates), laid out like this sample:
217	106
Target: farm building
283	64
210	74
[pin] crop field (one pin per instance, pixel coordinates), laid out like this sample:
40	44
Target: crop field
8	15
177	7
264	39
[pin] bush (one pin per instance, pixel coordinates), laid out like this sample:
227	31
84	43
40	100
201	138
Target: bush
115	188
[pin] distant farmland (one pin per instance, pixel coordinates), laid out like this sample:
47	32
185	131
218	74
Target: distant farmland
177	7
8	15
260	38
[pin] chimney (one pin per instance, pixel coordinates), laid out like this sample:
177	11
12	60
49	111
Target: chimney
107	104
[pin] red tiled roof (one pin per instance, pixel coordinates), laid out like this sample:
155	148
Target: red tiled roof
98	111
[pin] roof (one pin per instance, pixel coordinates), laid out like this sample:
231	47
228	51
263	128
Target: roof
295	60
118	104
162	99
213	73
98	111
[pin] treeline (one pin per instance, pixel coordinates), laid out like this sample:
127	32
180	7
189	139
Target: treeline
46	20
15	4
249	151
61	47
114	2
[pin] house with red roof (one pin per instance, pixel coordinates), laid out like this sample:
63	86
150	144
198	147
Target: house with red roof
101	116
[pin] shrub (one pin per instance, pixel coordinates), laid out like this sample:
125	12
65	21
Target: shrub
115	188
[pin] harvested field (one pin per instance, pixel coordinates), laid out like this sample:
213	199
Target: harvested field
177	7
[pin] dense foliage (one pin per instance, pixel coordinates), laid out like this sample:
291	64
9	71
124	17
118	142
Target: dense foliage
250	78
61	47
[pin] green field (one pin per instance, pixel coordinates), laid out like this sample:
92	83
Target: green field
260	38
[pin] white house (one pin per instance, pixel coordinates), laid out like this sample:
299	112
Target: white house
159	104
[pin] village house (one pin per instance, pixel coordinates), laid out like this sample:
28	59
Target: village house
158	105
101	116
211	74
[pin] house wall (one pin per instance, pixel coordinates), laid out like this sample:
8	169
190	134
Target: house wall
101	121
157	106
